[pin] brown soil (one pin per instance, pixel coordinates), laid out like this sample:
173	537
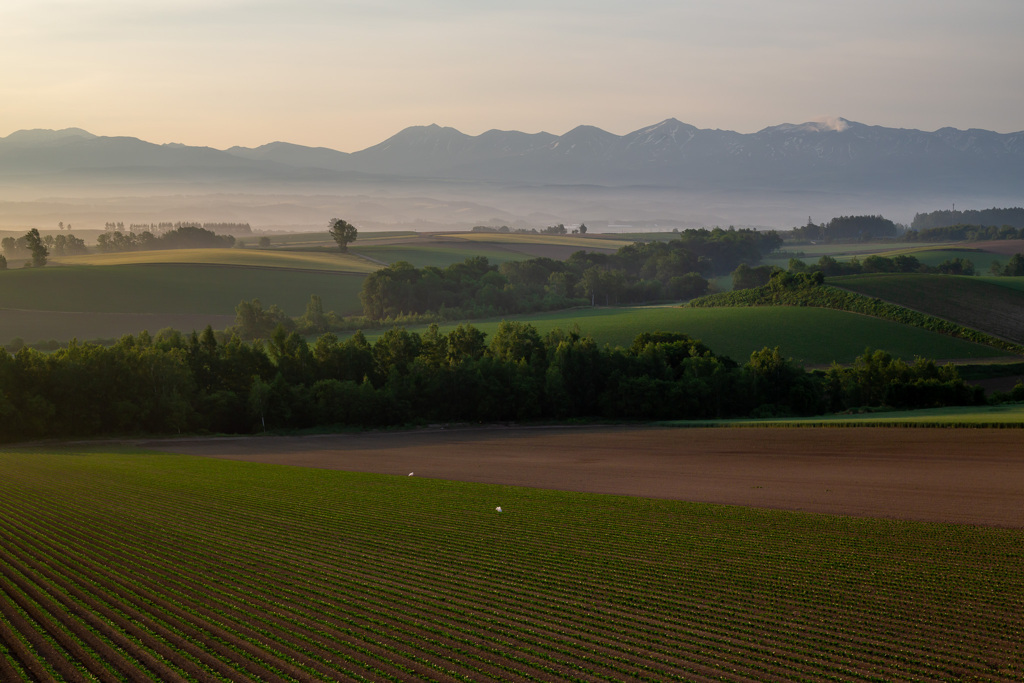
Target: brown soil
966	476
1007	247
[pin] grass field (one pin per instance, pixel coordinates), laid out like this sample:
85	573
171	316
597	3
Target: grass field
1003	415
175	289
1014	283
970	301
141	566
257	258
933	256
61	326
578	241
442	255
811	336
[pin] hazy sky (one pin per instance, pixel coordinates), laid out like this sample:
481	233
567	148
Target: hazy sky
347	74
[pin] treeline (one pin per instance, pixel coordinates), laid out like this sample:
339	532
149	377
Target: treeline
846	228
966	233
1012	217
57	245
162	227
176	384
186	237
901	263
637	273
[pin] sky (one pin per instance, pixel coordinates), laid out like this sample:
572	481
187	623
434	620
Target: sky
347	74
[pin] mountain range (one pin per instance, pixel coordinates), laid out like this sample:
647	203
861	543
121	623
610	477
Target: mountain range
837	155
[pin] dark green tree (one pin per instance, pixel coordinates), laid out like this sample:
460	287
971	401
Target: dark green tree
37	248
342	232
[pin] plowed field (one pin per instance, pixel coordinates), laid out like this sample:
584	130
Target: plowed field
973	476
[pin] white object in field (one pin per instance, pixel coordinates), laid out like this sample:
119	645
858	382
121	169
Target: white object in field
410	474
498	508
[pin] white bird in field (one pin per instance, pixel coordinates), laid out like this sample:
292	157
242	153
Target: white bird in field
498	508
410	474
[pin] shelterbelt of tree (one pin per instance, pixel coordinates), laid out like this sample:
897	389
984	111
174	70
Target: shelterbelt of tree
177	384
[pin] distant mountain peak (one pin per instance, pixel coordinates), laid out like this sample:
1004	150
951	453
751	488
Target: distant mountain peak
40	135
825	124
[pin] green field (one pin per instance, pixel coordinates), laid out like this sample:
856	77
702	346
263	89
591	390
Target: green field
970	301
812	336
1014	283
90	302
34	327
323	238
1002	416
933	256
174	289
142	566
443	255
579	241
255	258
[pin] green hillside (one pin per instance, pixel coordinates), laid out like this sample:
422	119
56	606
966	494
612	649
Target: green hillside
974	302
813	336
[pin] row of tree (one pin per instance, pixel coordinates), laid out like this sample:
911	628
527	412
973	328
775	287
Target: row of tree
34	247
637	273
1011	217
161	227
186	237
845	229
901	263
965	233
176	383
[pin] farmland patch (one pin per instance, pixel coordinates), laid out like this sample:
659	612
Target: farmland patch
972	302
145	566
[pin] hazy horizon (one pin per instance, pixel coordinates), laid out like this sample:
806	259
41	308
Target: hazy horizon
223	73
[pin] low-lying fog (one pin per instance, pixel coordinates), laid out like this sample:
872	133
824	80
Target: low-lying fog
431	206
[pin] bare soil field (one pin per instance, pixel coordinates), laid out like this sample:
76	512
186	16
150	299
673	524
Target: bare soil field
1006	247
964	476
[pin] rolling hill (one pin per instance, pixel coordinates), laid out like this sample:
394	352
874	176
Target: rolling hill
973	302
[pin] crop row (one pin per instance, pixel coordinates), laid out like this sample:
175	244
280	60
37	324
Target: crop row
185	570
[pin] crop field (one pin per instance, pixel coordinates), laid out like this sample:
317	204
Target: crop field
440	255
969	301
812	336
521	238
1005	415
175	289
256	258
933	256
134	565
61	326
90	302
323	239
1014	283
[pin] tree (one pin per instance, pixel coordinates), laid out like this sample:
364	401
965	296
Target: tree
583	228
36	246
343	232
3	262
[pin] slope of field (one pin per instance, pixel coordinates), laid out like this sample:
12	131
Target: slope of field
811	336
435	253
169	288
972	302
1003	415
548	246
33	327
933	256
90	302
141	566
258	258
